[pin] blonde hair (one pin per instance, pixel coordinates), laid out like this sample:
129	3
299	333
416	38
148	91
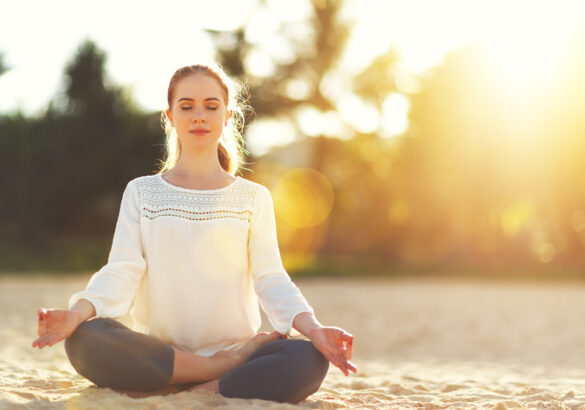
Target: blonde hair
231	143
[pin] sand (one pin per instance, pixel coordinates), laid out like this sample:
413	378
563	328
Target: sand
418	344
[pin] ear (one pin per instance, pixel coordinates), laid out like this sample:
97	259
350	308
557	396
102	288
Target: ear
229	115
170	117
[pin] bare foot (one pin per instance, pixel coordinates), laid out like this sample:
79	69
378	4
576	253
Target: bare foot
209	386
239	356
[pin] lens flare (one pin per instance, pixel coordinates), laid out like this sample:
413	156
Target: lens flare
303	198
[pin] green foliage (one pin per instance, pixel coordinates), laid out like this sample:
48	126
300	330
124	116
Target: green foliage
452	195
65	171
3	67
315	57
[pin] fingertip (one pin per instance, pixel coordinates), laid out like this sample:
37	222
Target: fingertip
348	337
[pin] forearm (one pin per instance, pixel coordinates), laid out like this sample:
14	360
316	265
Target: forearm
306	323
85	310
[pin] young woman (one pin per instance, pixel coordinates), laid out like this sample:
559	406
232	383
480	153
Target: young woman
193	254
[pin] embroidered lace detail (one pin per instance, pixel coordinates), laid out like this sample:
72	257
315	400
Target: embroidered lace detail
158	199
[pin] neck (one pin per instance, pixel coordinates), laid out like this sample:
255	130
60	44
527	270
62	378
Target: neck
199	164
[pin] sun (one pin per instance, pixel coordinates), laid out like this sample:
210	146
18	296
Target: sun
525	41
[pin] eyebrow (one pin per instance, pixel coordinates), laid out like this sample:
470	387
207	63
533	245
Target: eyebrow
191	99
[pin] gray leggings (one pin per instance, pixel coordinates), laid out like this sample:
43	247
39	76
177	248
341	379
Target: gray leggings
111	355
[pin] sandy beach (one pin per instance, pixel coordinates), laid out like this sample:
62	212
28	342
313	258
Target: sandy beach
423	343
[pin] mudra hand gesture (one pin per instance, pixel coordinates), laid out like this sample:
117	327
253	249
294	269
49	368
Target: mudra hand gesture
336	345
333	342
55	325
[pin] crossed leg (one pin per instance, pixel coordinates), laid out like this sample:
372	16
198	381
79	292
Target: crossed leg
111	355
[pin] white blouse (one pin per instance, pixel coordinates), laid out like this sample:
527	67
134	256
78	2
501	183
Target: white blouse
190	265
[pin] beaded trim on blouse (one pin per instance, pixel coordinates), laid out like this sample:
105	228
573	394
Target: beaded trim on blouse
159	199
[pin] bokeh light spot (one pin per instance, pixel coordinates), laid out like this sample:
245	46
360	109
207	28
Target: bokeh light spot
541	247
578	221
515	218
303	197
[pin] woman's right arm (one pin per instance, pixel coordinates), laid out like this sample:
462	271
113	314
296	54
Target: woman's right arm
55	325
110	290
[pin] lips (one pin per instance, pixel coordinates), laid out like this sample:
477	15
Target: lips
199	131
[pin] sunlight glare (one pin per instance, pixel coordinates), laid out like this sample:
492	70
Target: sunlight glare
516	217
313	123
361	115
264	134
395	115
303	198
526	40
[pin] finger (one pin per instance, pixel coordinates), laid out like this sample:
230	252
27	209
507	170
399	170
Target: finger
45	340
42	322
346	337
345	352
343	369
335	360
340	363
349	351
351	366
41	342
42	314
54	339
348	366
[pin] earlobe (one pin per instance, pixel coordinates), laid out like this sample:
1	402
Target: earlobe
229	115
170	118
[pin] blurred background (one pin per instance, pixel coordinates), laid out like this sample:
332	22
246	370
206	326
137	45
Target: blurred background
397	138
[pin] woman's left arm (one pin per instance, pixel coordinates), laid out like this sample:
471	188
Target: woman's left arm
282	301
334	343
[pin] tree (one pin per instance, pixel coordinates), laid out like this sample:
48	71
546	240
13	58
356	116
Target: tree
302	83
65	172
3	66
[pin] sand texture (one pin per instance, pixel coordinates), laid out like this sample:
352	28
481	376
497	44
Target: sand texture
418	344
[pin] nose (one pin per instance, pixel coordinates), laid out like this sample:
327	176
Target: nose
198	115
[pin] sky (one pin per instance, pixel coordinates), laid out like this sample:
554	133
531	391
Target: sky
145	41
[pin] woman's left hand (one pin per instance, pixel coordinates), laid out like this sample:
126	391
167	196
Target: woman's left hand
336	345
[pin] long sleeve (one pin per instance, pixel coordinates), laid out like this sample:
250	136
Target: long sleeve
278	295
111	290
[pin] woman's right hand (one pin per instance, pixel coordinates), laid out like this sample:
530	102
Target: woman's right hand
55	325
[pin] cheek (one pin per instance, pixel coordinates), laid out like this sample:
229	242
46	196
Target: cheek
218	117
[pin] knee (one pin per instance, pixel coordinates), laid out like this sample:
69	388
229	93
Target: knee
313	362
308	367
82	346
77	343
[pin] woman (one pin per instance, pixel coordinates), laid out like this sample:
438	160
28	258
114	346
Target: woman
194	251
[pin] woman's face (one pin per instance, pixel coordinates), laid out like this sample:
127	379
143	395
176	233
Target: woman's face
198	112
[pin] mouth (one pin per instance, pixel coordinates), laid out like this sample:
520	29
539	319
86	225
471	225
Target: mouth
199	131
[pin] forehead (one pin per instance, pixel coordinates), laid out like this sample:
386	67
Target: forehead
199	86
